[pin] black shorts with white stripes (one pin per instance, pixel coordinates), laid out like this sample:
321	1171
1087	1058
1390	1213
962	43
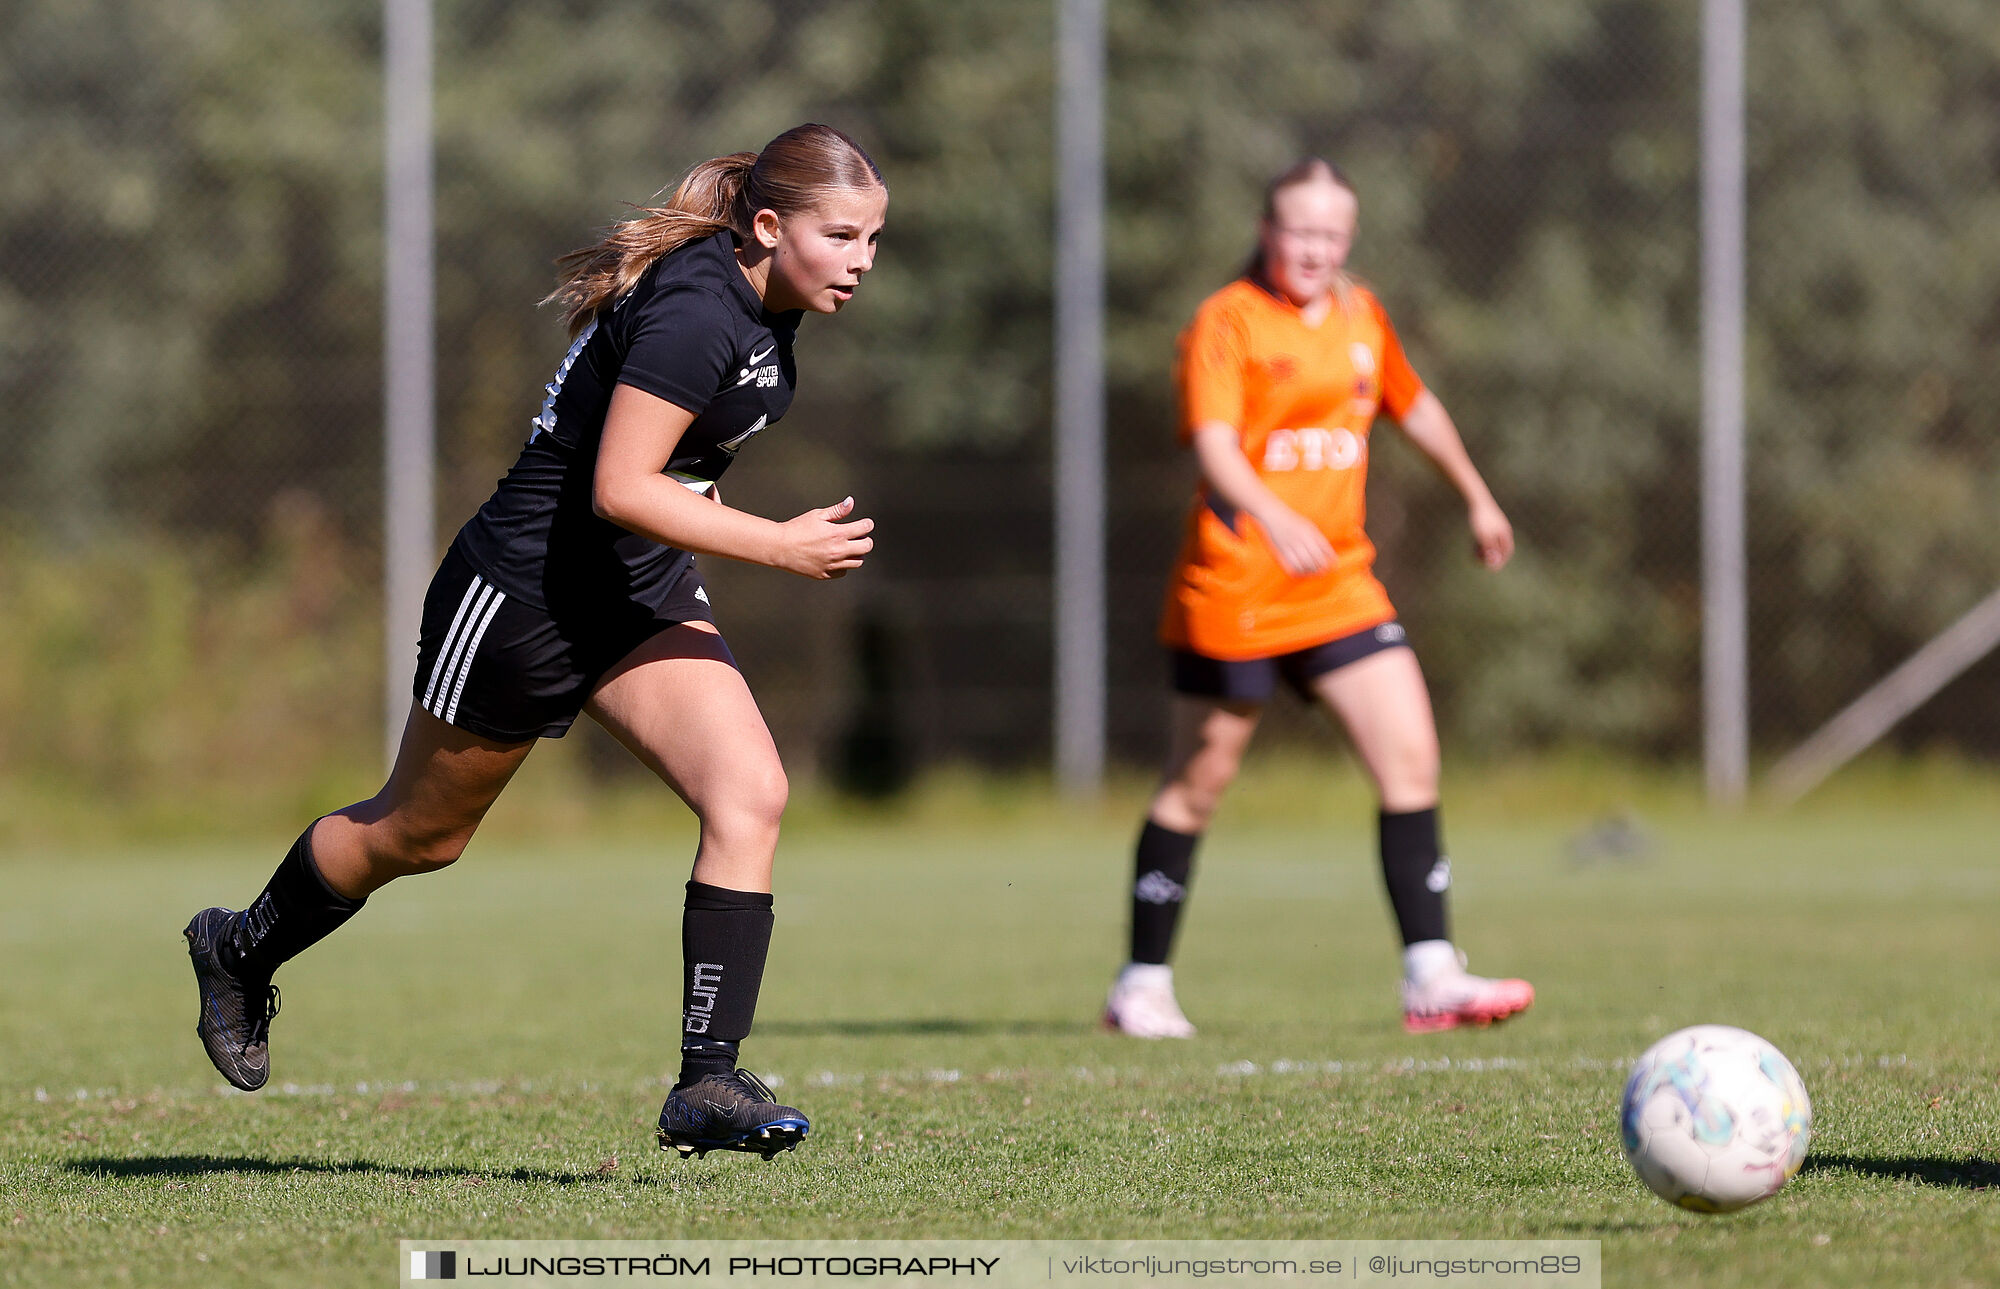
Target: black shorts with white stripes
503	669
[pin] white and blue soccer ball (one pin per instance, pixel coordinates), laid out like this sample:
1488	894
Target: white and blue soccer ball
1715	1119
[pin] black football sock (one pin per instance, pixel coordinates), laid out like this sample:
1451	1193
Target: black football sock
1162	865
725	936
295	911
1416	873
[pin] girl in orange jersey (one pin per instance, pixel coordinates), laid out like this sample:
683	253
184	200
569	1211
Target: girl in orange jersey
1280	376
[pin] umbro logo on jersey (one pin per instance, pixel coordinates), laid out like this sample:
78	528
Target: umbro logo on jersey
765	376
730	445
701	593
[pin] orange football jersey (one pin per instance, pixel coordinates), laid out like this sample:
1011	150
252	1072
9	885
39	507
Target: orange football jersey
1301	399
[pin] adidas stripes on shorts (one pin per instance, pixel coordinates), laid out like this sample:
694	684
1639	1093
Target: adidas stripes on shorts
495	666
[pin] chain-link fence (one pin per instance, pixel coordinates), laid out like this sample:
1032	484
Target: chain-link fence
190	349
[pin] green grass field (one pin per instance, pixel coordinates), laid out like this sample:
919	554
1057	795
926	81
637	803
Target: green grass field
481	1054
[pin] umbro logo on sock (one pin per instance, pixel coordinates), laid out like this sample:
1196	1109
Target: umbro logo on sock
701	997
257	921
1439	878
1157	888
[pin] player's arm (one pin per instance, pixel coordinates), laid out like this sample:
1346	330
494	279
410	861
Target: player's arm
640	434
1299	544
1430	428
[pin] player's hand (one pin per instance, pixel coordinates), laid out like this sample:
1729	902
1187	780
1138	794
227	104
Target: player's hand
1298	543
819	545
1492	535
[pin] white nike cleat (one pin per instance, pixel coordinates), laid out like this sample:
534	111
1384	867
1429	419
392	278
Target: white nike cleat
1141	1004
1452	997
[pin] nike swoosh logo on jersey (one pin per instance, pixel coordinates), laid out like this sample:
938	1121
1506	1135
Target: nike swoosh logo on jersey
750	368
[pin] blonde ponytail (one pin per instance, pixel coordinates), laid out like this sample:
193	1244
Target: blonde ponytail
703	204
724	192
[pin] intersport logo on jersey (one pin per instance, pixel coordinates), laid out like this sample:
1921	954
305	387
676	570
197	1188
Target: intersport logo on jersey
766	375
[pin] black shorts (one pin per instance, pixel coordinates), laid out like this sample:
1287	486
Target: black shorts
1254	680
505	670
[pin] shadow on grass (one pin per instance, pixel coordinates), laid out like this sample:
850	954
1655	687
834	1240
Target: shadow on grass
203	1165
1576	1229
1965	1174
918	1027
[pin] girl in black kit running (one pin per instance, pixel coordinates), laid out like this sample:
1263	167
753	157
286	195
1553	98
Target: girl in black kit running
574	589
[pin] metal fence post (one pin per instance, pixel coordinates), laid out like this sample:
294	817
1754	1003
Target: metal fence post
1079	396
409	388
1724	630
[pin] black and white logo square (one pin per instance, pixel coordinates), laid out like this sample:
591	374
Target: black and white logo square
435	1265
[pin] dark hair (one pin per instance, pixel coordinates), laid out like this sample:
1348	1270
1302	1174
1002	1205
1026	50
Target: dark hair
788	176
1303	171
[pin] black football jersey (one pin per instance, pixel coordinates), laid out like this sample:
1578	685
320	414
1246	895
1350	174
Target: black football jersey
690	331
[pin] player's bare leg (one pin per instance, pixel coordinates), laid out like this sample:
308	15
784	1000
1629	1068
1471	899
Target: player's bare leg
679	704
1386	708
443	782
1205	750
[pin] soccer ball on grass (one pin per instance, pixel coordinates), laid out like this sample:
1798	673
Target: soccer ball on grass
1715	1119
